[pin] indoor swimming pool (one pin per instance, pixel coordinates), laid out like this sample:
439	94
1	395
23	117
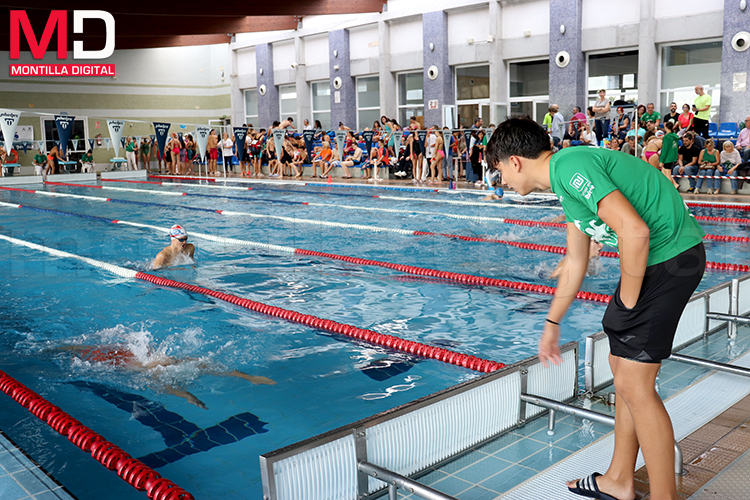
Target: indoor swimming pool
205	430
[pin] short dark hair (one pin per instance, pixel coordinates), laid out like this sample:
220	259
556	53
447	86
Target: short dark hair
517	137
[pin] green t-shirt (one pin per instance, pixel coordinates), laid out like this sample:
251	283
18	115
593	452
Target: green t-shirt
651	117
547	121
669	145
39	158
581	177
701	102
130	147
87	158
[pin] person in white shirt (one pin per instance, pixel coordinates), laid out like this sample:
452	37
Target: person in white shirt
226	149
588	136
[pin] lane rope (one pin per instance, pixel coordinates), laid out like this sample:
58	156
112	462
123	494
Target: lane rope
390	341
131	470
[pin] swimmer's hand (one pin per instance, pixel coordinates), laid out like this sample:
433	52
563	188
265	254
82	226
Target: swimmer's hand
549	345
195	401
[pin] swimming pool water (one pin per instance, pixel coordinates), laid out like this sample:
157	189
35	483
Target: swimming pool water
323	381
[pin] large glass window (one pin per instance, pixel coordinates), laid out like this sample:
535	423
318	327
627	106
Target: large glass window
529	89
251	107
288	102
473	83
368	101
617	73
321	103
685	66
410	97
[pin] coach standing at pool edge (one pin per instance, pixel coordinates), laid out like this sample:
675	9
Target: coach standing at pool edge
622	202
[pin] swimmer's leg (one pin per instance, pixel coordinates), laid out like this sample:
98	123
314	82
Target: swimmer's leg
190	398
255	379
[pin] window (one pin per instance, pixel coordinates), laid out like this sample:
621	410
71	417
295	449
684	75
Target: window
321	103
368	101
616	73
410	97
685	66
251	107
288	102
529	89
473	83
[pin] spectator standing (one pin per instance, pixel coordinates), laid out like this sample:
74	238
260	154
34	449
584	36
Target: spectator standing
651	115
557	126
708	162
131	147
743	141
703	105
669	151
226	151
601	115
730	160
576	123
687	159
213	151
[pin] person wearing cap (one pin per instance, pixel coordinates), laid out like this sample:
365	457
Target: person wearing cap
178	247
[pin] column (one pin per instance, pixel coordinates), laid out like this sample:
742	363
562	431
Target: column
304	104
648	56
343	100
268	104
567	85
435	53
498	70
387	78
236	96
735	65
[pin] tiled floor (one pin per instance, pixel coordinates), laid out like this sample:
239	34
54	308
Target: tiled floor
22	479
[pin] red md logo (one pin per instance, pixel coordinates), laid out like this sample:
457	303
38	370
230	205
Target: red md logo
19	21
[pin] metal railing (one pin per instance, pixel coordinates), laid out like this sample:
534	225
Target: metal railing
396	481
418	435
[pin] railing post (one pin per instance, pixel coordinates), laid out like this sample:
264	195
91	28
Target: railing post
734	308
524	384
360	450
588	366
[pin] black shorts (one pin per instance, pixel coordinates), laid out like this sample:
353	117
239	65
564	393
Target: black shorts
286	157
646	332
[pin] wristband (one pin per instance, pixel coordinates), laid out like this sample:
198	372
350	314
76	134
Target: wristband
550	321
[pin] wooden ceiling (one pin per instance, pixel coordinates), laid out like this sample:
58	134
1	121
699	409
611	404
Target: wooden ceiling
141	24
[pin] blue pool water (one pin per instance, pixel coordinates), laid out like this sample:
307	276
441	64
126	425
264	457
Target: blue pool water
323	381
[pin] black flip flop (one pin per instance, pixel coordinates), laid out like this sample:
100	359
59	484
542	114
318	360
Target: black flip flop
587	487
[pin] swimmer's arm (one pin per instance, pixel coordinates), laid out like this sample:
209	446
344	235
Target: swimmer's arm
568	284
190	398
191	250
160	260
633	237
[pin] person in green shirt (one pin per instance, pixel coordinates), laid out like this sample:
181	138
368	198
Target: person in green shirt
651	116
623	202
39	161
703	105
87	161
669	152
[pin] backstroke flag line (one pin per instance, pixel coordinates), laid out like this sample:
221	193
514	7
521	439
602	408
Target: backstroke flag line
201	137
9	121
115	132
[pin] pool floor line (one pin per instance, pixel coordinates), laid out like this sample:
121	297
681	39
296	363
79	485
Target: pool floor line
371	336
468	279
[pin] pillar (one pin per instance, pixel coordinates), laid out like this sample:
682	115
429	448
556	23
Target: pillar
268	104
435	32
567	86
387	81
735	65
648	57
344	99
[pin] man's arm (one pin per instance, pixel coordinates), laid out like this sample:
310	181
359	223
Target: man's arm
633	242
568	284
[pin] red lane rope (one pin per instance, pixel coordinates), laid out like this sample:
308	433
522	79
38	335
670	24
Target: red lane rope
719	205
460	277
209	179
722	219
131	181
131	470
17	189
72	185
408	346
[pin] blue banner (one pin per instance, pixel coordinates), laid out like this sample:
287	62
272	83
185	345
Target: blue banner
367	134
64	130
467	138
91	144
308	136
162	131
153	138
240	134
422	135
179	135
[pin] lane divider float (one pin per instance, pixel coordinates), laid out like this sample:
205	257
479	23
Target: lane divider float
390	341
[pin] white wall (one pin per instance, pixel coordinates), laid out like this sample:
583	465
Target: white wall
406	36
599	13
363	42
670	8
283	55
246	61
527	16
472	23
316	50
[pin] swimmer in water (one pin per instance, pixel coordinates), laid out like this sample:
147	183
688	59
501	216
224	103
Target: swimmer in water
178	247
595	249
121	356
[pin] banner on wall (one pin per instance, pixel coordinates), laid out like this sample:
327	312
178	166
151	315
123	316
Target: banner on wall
107	142
75	144
201	137
422	135
162	131
40	145
115	132
9	121
397	135
340	140
467	138
367	134
153	139
240	134
308	135
278	140
91	144
179	135
64	130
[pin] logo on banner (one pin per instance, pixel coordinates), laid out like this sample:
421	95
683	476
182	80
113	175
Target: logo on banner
421	136
397	136
58	20
308	135
240	134
367	134
8	125
162	130
64	129
340	139
115	131
201	137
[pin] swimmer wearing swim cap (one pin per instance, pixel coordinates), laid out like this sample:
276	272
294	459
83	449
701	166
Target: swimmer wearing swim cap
178	247
493	182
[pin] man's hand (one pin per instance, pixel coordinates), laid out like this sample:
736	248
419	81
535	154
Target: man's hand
549	345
